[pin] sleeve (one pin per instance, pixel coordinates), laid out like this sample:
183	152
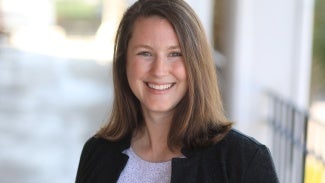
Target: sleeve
85	161
261	168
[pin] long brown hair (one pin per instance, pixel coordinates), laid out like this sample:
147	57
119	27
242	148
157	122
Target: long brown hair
200	119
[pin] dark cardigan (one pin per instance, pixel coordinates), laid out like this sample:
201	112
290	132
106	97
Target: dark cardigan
235	159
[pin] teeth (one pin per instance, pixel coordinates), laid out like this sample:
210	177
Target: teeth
160	87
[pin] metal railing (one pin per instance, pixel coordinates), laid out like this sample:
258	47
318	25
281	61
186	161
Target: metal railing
293	140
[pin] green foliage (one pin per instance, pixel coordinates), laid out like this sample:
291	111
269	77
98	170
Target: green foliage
319	34
318	65
76	9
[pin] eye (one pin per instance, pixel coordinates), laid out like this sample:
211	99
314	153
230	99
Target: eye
144	53
175	54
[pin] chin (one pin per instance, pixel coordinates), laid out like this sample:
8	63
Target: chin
161	109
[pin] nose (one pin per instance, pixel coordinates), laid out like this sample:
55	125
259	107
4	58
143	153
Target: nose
159	66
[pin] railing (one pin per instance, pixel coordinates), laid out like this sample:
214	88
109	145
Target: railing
293	131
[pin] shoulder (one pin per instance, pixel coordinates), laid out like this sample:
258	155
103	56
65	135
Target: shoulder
245	156
236	140
99	154
96	145
236	146
98	149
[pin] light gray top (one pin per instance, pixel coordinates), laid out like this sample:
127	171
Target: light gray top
138	170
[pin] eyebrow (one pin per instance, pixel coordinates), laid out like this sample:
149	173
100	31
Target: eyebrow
142	46
148	47
174	47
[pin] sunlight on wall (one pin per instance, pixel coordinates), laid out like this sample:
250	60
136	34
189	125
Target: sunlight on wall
315	168
53	41
317	111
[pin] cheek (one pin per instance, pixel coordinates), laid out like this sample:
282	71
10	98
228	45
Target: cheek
180	71
130	68
134	71
131	78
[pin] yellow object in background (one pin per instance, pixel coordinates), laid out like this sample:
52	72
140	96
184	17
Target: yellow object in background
315	170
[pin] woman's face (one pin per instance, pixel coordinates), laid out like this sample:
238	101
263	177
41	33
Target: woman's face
155	66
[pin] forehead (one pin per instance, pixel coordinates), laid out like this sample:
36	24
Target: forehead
153	27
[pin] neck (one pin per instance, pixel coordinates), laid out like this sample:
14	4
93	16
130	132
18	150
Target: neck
150	142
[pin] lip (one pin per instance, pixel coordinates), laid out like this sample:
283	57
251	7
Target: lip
159	86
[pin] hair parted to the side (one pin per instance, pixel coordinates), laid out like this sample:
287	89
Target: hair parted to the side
200	119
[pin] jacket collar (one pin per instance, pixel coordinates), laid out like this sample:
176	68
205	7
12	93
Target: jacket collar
187	169
125	143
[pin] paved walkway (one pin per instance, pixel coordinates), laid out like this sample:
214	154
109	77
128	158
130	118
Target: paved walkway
48	108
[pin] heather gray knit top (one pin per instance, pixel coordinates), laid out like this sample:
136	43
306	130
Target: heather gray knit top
138	170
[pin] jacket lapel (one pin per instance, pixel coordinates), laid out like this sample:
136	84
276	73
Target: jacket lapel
113	161
199	166
184	170
111	168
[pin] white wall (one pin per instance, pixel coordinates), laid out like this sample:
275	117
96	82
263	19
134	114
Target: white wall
205	13
271	50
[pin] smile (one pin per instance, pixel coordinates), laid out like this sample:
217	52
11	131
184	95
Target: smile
160	87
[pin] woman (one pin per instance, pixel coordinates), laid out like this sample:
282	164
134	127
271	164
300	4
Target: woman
167	122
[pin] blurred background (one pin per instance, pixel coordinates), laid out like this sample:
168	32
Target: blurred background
56	87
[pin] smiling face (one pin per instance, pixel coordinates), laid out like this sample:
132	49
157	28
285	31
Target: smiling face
155	67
